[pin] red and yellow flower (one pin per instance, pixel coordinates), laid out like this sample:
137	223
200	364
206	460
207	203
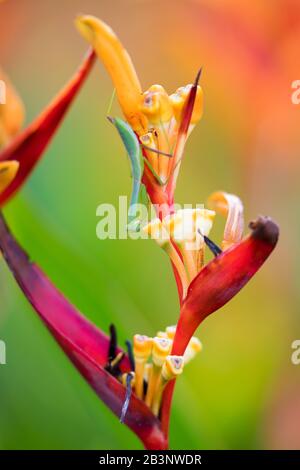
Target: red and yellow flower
138	385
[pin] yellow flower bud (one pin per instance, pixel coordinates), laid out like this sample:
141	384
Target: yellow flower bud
142	347
156	105
172	367
171	330
160	350
178	100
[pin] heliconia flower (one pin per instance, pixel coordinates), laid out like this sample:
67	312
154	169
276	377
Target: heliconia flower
216	284
138	386
22	152
162	122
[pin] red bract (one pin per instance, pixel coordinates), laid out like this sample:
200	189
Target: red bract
223	278
29	145
217	283
85	345
185	122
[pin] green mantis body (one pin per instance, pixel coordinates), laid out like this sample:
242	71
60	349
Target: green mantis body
133	150
137	160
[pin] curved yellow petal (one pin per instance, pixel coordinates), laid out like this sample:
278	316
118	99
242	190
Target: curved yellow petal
8	171
119	65
229	206
11	110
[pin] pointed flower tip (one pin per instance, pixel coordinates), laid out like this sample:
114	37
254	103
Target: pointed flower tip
193	108
265	229
198	76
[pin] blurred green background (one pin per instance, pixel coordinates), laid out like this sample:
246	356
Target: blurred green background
242	391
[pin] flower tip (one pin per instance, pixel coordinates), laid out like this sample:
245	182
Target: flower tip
83	28
265	229
89	26
198	76
118	64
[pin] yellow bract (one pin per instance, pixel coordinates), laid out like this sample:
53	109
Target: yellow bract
119	65
8	171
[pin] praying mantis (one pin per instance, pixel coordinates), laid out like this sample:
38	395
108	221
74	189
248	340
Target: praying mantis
137	162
